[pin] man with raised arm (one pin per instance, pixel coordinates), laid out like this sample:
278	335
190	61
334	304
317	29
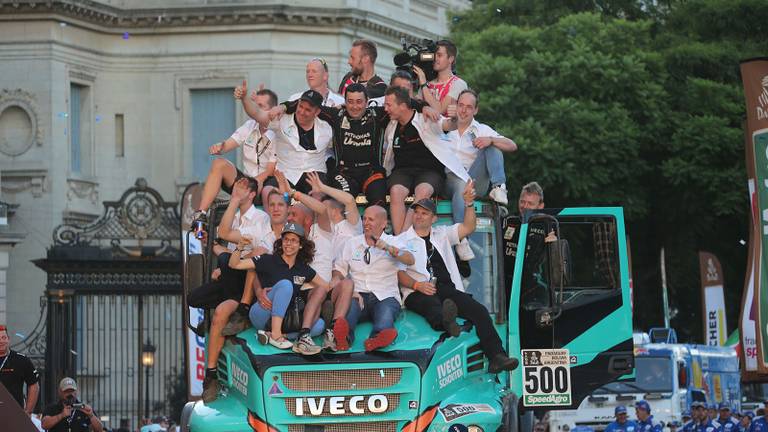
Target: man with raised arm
362	61
317	80
301	139
418	153
259	158
432	286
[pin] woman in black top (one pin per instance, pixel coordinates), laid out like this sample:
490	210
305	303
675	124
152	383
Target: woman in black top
281	274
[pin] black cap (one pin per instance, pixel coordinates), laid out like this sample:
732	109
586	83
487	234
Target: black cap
426	204
313	97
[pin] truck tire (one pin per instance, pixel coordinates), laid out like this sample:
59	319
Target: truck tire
186	413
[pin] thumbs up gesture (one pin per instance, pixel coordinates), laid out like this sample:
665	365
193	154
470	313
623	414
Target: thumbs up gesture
241	91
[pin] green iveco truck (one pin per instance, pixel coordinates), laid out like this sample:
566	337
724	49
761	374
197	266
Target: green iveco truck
562	307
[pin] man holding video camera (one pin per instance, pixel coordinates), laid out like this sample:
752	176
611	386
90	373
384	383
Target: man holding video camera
69	414
445	88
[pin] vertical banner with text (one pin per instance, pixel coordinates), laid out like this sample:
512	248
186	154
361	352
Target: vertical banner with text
195	345
715	327
754	75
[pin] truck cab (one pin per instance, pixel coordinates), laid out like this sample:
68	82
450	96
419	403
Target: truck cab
575	337
670	376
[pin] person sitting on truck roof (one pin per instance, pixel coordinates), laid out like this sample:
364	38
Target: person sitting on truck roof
746	421
725	420
282	275
417	155
344	218
760	424
622	422
259	158
227	294
645	422
372	260
301	140
432	286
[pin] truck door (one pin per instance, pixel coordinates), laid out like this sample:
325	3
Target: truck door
570	290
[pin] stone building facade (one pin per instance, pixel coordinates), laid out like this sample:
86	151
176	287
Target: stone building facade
97	93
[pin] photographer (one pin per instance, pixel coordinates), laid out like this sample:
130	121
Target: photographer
444	90
69	414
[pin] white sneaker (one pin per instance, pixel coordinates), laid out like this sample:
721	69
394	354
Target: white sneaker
499	194
329	340
306	346
464	250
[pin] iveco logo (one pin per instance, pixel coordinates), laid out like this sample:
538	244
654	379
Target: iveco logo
340	405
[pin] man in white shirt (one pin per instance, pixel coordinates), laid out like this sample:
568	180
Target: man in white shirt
372	260
317	80
432	286
301	139
418	154
259	158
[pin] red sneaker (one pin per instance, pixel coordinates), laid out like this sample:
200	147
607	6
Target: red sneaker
341	333
384	338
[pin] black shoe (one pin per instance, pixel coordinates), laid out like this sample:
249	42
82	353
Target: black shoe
465	270
238	322
500	362
211	388
450	312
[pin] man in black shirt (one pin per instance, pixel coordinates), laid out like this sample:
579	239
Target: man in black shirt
15	371
418	153
69	414
362	60
432	287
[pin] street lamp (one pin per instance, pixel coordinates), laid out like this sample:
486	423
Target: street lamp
147	360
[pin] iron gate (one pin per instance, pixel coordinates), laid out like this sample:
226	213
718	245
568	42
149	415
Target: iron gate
113	286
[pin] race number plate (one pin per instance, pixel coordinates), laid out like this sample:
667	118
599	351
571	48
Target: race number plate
546	378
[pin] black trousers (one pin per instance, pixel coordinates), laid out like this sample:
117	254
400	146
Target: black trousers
229	286
431	308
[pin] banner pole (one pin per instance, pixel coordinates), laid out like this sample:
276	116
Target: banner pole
664	289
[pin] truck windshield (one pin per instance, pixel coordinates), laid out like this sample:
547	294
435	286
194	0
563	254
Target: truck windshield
653	375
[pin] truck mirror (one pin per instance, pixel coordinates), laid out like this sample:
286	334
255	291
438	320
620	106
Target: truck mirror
545	317
559	267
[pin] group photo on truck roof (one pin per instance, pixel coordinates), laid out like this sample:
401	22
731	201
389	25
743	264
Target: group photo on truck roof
330	216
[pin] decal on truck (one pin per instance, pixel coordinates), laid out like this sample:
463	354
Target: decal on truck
546	377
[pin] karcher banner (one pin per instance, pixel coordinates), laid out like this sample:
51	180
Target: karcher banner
715	327
754	75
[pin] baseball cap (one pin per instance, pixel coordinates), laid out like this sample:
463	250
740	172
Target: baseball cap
621	409
643	405
750	414
697	404
426	204
67	384
686	413
295	228
724	406
313	97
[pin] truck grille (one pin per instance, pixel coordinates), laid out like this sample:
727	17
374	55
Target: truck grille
387	426
393	401
356	379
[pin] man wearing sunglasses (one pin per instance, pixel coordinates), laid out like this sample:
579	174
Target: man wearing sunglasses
432	286
371	261
317	80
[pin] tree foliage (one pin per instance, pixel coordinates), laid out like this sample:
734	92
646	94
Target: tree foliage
636	103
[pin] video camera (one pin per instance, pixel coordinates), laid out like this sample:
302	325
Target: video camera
414	54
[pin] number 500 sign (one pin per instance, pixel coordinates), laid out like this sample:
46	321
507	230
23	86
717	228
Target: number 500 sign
546	377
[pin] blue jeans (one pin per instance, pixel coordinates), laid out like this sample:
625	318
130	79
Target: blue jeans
381	312
280	295
487	167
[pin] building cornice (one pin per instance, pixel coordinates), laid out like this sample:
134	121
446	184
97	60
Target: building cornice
110	19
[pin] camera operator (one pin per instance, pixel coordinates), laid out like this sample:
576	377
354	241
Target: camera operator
69	414
444	90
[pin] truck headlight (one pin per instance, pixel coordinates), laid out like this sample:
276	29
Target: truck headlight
474	428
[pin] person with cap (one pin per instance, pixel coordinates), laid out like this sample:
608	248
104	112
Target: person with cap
706	423
371	260
622	422
746	421
712	411
302	140
432	286
645	421
726	421
698	417
68	414
685	416
17	370
760	424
